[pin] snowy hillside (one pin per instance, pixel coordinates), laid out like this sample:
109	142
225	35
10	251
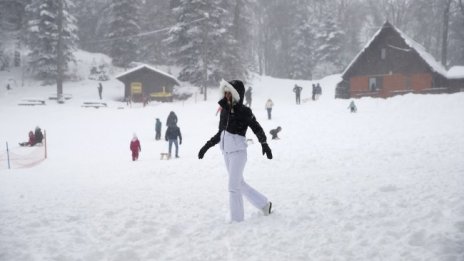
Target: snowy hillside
385	183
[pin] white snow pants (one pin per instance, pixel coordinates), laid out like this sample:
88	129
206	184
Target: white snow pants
235	164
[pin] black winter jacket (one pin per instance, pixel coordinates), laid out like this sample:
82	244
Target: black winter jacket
236	120
172	132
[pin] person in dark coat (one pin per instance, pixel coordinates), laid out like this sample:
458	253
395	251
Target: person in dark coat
135	147
172	119
171	136
233	124
100	90
38	135
248	95
274	133
318	90
158	129
31	141
297	90
314	92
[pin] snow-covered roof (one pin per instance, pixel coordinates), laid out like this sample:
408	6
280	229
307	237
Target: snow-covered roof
456	72
428	58
149	68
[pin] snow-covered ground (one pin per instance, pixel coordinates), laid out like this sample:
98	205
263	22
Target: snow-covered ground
385	183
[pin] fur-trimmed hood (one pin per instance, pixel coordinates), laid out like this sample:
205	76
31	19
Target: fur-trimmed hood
235	87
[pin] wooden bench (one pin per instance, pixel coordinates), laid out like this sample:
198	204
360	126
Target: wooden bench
95	105
31	102
66	96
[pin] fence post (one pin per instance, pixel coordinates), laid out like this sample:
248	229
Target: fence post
8	155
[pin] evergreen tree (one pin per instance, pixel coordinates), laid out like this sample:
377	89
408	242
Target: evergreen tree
202	42
91	14
42	37
301	51
155	19
124	28
241	29
329	40
456	42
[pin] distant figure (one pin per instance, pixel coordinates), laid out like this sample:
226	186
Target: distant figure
145	99
352	107
318	90
172	134
38	135
31	141
269	105
135	148
172	119
274	133
8	87
313	93
158	129
100	90
297	90
248	94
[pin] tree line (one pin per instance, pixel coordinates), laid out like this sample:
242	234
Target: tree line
213	39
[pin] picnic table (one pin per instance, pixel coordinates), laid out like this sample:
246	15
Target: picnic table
65	96
95	105
31	102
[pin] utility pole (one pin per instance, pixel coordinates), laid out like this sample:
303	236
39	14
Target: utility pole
59	50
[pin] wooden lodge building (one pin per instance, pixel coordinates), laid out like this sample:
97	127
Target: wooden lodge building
392	64
144	83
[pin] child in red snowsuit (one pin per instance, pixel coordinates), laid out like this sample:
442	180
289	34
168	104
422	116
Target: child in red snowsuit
135	148
31	141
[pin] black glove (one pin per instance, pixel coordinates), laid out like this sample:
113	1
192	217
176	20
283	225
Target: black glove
203	150
267	150
180	142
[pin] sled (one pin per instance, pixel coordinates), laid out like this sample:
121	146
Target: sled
164	155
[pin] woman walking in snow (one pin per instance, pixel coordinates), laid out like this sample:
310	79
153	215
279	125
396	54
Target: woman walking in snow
135	148
234	121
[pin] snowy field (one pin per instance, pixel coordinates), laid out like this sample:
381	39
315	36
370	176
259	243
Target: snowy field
386	183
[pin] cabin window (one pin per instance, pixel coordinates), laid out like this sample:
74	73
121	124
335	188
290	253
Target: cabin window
373	84
383	53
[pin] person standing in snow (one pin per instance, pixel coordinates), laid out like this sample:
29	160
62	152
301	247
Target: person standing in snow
248	94
158	129
31	141
268	106
234	121
171	136
100	90
172	119
352	107
297	90
318	90
38	135
135	147
314	91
